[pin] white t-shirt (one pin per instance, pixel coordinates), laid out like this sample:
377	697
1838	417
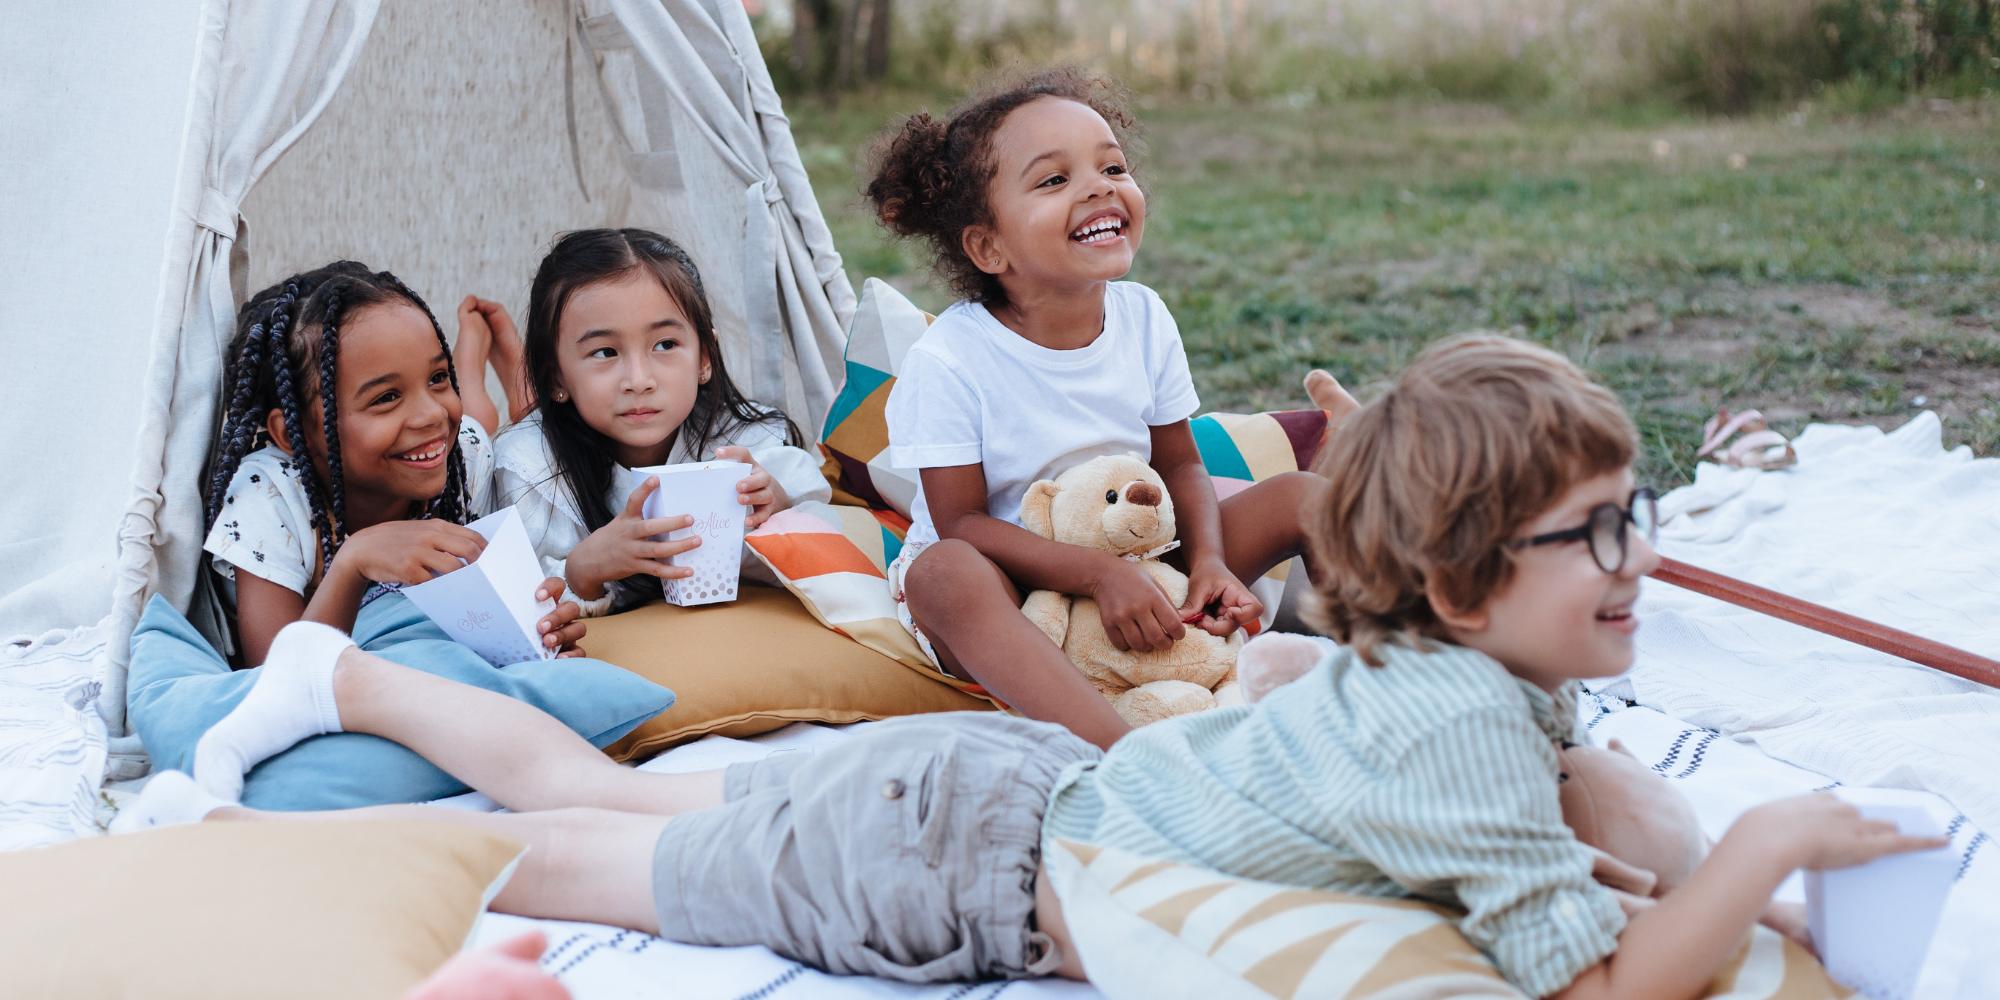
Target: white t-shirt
971	390
266	525
526	477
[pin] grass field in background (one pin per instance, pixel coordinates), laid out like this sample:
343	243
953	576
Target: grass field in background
1817	268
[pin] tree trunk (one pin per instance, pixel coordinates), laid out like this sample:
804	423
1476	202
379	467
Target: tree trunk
880	28
848	45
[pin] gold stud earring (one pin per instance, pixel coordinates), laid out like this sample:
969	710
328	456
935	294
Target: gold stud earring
561	396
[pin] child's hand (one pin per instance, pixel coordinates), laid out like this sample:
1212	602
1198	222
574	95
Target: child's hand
561	629
627	547
506	971
409	552
1824	832
1136	613
758	491
1212	585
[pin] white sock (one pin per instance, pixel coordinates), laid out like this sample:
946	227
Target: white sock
169	799
291	701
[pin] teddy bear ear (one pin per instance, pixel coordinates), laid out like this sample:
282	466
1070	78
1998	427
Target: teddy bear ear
1038	508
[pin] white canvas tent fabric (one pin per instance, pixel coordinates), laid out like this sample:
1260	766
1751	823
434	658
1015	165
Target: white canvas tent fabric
132	176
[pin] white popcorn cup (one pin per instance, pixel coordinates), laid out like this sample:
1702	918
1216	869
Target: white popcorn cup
705	491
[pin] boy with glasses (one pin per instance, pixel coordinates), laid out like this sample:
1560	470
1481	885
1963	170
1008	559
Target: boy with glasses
1482	546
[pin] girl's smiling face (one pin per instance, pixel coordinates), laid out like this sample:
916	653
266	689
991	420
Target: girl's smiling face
629	360
398	413
1066	209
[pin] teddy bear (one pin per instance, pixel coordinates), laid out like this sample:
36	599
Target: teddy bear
1118	504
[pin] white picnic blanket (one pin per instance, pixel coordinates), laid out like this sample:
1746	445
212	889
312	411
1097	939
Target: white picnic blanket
1890	527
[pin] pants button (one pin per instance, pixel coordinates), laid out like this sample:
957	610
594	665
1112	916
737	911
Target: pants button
892	789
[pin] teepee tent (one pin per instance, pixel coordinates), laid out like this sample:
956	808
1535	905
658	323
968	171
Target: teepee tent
165	159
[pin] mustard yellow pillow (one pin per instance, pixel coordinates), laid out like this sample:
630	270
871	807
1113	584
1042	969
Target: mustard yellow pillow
753	665
348	910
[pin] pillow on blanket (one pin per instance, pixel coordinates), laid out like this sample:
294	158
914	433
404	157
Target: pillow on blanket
832	558
1148	928
180	686
754	665
217	910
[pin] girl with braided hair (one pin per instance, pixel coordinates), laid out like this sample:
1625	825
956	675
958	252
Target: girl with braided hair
625	371
343	461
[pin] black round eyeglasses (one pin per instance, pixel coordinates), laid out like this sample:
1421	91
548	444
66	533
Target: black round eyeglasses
1605	530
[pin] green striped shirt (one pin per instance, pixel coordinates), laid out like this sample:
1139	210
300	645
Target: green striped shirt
1432	776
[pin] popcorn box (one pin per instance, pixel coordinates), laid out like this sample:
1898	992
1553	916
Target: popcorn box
489	604
705	491
1872	923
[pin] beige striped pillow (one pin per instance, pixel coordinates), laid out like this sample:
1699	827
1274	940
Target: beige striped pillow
1147	928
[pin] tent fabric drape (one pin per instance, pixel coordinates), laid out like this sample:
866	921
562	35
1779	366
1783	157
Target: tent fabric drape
791	294
262	73
279	65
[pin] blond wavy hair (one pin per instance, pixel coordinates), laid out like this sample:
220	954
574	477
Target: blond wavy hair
1476	438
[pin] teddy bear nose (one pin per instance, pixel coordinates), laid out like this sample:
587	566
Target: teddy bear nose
1143	494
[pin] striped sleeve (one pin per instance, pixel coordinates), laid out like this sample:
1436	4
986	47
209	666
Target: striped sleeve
1468	815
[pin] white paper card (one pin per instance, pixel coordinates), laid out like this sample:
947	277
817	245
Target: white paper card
1872	923
489	605
705	491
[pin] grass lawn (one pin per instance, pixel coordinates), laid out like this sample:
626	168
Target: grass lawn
1816	268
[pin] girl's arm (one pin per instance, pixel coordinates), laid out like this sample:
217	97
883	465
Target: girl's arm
1674	948
1136	612
1198	517
262	608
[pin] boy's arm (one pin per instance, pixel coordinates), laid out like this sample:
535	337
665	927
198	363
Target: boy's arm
1674	948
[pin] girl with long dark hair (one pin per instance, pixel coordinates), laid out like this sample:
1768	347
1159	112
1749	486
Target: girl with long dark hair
626	372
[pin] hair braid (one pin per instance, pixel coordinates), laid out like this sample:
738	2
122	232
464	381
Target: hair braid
262	344
455	503
329	366
292	406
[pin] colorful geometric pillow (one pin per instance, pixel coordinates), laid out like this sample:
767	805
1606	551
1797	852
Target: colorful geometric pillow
1148	928
834	558
855	437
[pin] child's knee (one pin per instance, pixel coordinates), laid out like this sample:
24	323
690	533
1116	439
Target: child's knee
949	577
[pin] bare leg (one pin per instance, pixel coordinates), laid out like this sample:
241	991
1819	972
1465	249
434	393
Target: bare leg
581	864
971	612
1264	525
521	756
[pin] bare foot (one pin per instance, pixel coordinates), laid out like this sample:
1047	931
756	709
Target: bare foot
1327	394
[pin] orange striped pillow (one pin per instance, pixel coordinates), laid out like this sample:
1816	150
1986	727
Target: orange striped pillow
834	558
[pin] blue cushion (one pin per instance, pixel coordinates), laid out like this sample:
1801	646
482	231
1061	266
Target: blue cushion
180	686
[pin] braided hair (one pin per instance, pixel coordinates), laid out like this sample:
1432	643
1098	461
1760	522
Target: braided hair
285	357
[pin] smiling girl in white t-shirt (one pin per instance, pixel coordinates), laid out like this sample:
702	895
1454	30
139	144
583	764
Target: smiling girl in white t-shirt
1028	202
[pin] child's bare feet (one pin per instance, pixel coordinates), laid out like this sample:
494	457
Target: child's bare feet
1327	394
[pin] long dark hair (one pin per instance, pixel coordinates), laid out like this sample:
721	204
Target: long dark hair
583	457
284	357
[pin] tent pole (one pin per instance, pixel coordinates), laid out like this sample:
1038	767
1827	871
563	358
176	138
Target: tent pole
1839	624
